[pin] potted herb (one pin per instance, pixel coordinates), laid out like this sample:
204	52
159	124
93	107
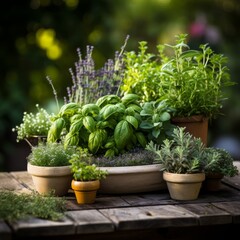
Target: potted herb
48	163
192	82
182	159
86	177
218	163
34	126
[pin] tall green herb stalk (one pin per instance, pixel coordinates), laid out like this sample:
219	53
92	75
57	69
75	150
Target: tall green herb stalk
193	81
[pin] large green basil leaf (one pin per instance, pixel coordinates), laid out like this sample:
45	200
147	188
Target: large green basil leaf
76	126
133	121
55	130
108	111
71	139
68	109
89	123
129	98
90	109
141	139
122	134
96	140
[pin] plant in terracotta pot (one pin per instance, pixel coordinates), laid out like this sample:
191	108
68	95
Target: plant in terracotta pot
218	163
49	165
182	159
86	177
192	82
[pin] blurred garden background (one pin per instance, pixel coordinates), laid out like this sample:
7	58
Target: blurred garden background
39	38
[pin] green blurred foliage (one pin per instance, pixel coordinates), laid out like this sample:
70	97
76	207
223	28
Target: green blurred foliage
71	24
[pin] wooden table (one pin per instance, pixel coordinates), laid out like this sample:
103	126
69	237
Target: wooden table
132	216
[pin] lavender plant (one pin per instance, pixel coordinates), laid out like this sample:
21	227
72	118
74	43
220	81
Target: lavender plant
89	83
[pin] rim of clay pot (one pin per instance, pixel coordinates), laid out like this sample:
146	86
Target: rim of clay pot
176	177
194	118
46	171
133	169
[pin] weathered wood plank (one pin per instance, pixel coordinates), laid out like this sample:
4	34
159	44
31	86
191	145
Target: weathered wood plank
150	217
208	214
160	198
24	178
233	181
40	227
7	182
100	203
90	221
5	231
232	207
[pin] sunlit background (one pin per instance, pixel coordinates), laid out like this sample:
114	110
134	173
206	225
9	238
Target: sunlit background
39	38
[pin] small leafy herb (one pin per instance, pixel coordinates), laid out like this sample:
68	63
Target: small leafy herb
15	206
83	170
33	124
181	154
51	154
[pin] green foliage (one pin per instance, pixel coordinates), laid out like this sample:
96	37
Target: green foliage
15	206
156	117
218	160
51	154
112	125
193	81
141	74
187	154
182	154
33	124
83	170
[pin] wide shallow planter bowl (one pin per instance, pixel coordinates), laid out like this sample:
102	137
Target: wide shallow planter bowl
132	179
184	186
49	179
85	192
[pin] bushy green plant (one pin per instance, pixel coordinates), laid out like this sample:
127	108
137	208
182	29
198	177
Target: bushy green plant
185	153
83	169
222	163
156	116
181	154
110	126
33	124
16	206
51	154
193	81
141	75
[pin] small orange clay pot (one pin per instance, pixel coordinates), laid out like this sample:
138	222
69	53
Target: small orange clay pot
85	192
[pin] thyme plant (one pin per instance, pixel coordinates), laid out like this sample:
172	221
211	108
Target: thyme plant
16	206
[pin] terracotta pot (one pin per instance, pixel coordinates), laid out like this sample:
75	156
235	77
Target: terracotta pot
85	192
212	182
48	179
132	179
184	186
196	125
